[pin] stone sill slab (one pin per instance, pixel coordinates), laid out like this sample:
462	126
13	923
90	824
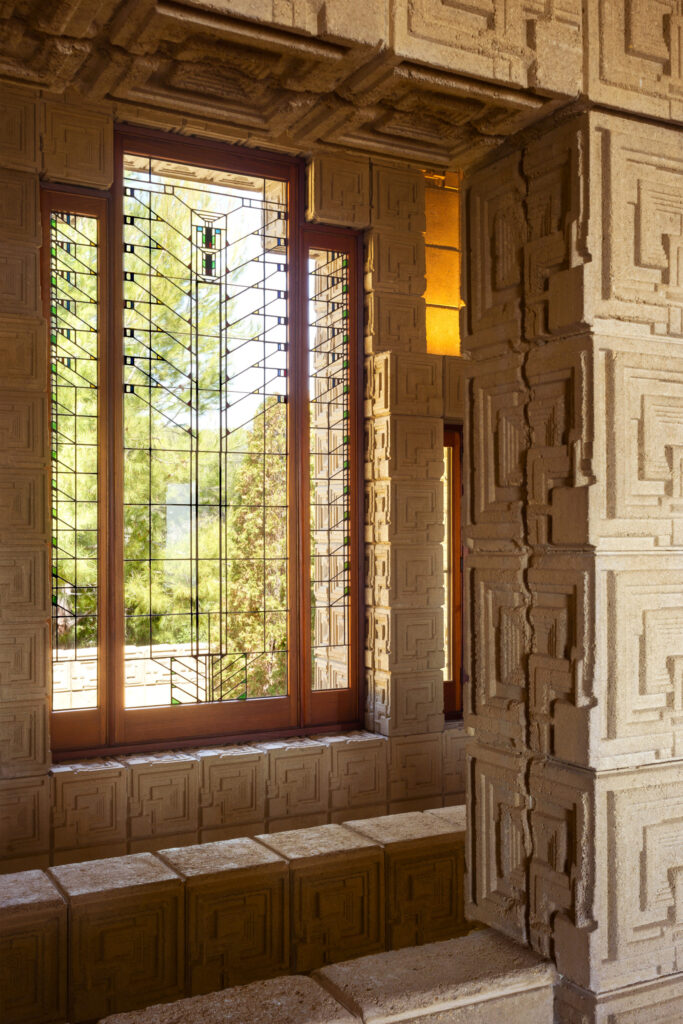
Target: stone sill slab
482	978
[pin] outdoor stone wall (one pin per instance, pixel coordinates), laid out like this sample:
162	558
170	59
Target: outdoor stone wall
573	527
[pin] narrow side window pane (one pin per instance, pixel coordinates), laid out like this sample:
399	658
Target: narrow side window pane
330	472
205	435
74	449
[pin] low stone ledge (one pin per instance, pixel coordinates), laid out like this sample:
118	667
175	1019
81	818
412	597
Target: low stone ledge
33	953
481	978
236	912
125	933
336	893
424	871
278	1001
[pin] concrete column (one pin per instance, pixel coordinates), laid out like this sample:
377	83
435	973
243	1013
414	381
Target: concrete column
575	564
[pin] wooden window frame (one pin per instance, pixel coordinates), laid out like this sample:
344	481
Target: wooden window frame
453	688
112	728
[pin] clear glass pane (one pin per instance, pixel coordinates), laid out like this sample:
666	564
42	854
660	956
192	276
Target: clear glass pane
205	433
74	390
329	382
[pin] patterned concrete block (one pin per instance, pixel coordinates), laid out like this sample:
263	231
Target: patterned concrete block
424	874
298	778
163	798
232	788
337	893
125	934
236	912
33	949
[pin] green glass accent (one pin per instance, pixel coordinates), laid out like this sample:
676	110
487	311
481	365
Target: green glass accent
346	339
345	264
345	314
346	439
346	463
54	596
347	540
174	700
242	696
345	414
345	364
345	289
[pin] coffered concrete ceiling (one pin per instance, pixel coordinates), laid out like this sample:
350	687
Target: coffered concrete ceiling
435	81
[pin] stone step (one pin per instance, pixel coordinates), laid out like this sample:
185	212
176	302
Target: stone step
481	978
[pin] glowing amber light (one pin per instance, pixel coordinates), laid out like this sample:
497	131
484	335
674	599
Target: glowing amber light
442	256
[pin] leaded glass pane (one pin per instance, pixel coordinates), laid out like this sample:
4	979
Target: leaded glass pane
205	434
329	385
74	450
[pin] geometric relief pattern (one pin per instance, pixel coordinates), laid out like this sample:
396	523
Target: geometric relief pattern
78	146
497	235
89	805
560	879
499	440
642	249
499	841
233	783
499	642
23	353
23	429
636	63
560	665
556	210
163	792
337	912
125	953
425	893
237	932
641	644
639	877
497	39
24	818
24	662
32	950
23	585
298	779
558	463
642	482
23	739
23	506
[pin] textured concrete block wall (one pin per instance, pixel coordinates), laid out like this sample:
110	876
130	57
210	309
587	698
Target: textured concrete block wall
115	805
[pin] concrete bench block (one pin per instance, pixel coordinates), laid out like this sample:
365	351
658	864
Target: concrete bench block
32	949
482	978
336	893
125	933
236	912
279	1001
424	876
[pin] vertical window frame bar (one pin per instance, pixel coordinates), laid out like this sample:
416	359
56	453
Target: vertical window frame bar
453	688
86	726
